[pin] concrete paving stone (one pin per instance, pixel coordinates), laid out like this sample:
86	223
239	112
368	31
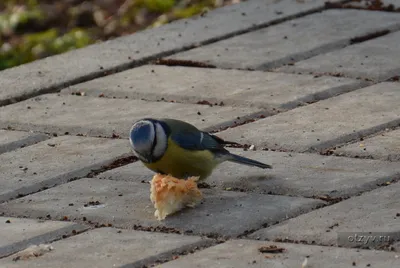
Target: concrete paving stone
292	174
109	247
245	253
374	212
325	124
375	59
396	247
121	53
55	161
385	146
11	140
17	234
293	40
105	117
232	87
126	204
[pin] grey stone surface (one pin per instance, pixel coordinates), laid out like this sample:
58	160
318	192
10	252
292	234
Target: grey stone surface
327	123
11	140
96	60
293	40
55	161
385	146
103	117
374	59
396	247
374	212
17	234
126	204
245	253
107	247
292	174
232	87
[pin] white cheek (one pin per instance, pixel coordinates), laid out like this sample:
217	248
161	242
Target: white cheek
161	145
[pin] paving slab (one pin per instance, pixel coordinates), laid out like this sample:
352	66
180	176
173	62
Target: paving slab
108	117
55	161
396	247
17	234
374	59
11	140
245	253
126	204
327	123
109	247
293	174
375	212
121	53
293	40
232	87
385	146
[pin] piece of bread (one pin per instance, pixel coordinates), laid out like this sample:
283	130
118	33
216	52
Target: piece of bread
32	252
169	194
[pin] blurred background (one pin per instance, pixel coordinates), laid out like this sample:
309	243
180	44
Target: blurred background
34	29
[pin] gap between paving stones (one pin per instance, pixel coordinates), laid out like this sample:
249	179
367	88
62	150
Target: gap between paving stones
248	253
268	59
343	140
116	87
104	202
374	60
131	63
164	259
271	91
13	140
168	231
322	226
332	150
323	148
326	49
308	136
329	202
376	5
377	147
172	255
92	173
67	153
124	246
328	178
52	113
49	237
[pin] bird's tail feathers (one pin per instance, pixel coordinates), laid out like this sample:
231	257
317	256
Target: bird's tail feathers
246	161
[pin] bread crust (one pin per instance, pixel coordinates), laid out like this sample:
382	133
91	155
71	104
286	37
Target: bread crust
169	194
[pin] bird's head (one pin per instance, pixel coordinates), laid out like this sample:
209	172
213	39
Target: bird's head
149	139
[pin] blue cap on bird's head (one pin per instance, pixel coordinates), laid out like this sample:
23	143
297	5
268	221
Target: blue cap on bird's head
148	139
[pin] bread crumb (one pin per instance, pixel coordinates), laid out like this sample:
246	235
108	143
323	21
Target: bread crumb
169	194
305	263
33	251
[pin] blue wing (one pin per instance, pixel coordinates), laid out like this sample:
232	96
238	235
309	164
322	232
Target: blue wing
197	140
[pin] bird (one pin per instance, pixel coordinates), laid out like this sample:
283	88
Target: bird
176	148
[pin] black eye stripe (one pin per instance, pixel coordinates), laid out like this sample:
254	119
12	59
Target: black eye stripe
155	138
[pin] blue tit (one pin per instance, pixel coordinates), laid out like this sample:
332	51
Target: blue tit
176	148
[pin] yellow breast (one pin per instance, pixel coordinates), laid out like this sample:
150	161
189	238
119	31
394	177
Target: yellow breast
179	162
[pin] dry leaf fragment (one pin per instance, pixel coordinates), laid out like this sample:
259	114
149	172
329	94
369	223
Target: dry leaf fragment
271	249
